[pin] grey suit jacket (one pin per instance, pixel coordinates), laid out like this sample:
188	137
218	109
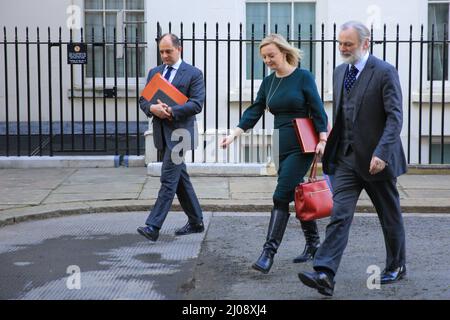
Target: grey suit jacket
377	121
183	127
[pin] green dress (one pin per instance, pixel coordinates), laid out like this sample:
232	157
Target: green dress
290	97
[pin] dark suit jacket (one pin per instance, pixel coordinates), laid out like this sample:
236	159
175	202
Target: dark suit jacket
377	121
189	80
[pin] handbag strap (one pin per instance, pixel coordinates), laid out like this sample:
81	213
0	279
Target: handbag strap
313	172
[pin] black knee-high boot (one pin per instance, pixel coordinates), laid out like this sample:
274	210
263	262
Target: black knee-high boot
312	241
277	226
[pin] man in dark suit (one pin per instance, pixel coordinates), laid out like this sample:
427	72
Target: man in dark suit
364	151
174	132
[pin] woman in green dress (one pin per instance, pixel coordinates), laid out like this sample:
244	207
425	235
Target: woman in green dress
288	93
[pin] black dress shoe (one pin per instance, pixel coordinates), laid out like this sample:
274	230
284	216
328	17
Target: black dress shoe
150	232
319	281
390	276
190	228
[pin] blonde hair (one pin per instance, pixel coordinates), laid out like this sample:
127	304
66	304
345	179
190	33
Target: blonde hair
293	54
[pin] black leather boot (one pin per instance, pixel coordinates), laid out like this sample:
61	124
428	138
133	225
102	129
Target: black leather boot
312	241
277	225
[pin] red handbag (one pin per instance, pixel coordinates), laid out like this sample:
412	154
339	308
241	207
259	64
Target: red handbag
313	199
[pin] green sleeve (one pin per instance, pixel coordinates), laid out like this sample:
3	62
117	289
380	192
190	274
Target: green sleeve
255	111
318	114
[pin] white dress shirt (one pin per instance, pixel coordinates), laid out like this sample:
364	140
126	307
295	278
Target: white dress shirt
174	71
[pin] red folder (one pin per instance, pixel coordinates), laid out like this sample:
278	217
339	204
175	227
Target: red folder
306	134
160	88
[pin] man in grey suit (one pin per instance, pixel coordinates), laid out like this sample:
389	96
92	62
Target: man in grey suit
175	132
364	151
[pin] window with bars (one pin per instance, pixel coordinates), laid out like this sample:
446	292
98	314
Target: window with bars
127	18
436	148
300	16
438	16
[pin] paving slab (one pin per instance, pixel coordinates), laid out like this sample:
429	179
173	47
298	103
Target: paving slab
101	187
108	175
434	182
18	196
249	185
34	178
67	197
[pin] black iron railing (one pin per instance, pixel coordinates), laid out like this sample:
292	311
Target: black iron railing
97	115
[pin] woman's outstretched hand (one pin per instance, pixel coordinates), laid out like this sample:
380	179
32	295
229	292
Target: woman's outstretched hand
227	141
230	138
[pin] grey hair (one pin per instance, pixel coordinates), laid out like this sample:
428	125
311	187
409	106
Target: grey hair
363	31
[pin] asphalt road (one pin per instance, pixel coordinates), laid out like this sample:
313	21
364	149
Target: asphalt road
233	243
100	256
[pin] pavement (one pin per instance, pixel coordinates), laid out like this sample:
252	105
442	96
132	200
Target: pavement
57	223
50	192
102	257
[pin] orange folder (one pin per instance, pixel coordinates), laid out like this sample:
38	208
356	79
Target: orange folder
306	134
160	88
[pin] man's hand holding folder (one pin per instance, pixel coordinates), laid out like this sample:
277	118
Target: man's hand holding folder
162	94
161	110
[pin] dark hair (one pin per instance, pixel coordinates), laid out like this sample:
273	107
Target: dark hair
175	40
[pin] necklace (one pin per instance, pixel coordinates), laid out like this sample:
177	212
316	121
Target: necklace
270	96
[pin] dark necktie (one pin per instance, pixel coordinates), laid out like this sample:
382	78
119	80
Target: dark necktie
350	78
168	72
